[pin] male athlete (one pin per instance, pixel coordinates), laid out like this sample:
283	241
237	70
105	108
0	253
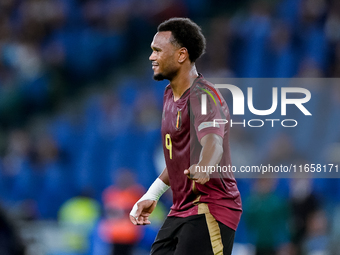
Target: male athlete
206	207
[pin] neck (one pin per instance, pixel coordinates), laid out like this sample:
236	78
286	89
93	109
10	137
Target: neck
182	81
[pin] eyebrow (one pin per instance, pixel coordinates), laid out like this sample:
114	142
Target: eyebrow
155	48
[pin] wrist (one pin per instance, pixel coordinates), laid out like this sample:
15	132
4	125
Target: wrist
155	191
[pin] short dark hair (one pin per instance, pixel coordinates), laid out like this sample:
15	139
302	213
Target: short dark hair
185	33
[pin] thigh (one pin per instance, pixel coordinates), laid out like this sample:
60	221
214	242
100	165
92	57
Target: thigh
194	237
181	236
122	249
204	235
198	234
166	239
228	236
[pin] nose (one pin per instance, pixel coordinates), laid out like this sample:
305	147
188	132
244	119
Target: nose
152	56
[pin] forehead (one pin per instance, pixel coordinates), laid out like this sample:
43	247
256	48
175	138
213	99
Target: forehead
161	39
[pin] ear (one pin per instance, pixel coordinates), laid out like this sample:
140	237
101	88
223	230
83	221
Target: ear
182	55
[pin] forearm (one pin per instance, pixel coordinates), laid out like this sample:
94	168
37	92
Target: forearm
164	176
211	153
158	187
155	191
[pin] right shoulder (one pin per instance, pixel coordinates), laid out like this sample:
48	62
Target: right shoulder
167	90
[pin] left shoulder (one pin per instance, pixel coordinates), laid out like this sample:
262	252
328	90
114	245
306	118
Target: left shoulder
201	86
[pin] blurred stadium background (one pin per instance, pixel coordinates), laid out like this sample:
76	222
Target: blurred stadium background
80	121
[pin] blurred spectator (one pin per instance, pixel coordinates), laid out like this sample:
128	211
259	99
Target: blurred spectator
335	231
55	181
10	241
317	239
217	63
303	204
77	217
312	11
266	216
335	68
281	150
16	168
333	22
17	151
118	200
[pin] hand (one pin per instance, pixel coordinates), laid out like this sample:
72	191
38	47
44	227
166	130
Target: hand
196	175
145	208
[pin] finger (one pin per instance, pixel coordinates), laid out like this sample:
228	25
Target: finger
202	181
138	212
134	210
193	177
143	220
139	220
133	220
146	221
189	175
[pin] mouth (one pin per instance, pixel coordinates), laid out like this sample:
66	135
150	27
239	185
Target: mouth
154	65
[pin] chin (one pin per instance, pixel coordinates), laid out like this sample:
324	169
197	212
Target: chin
158	77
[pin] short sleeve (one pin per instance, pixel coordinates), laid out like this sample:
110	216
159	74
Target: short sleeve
214	120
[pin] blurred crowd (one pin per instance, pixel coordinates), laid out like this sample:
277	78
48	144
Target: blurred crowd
78	107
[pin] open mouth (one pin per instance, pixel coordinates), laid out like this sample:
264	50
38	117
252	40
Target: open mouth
154	65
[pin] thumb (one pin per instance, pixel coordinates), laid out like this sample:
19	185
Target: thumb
186	171
134	210
139	210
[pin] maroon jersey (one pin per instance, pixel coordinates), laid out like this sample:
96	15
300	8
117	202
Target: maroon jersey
183	126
